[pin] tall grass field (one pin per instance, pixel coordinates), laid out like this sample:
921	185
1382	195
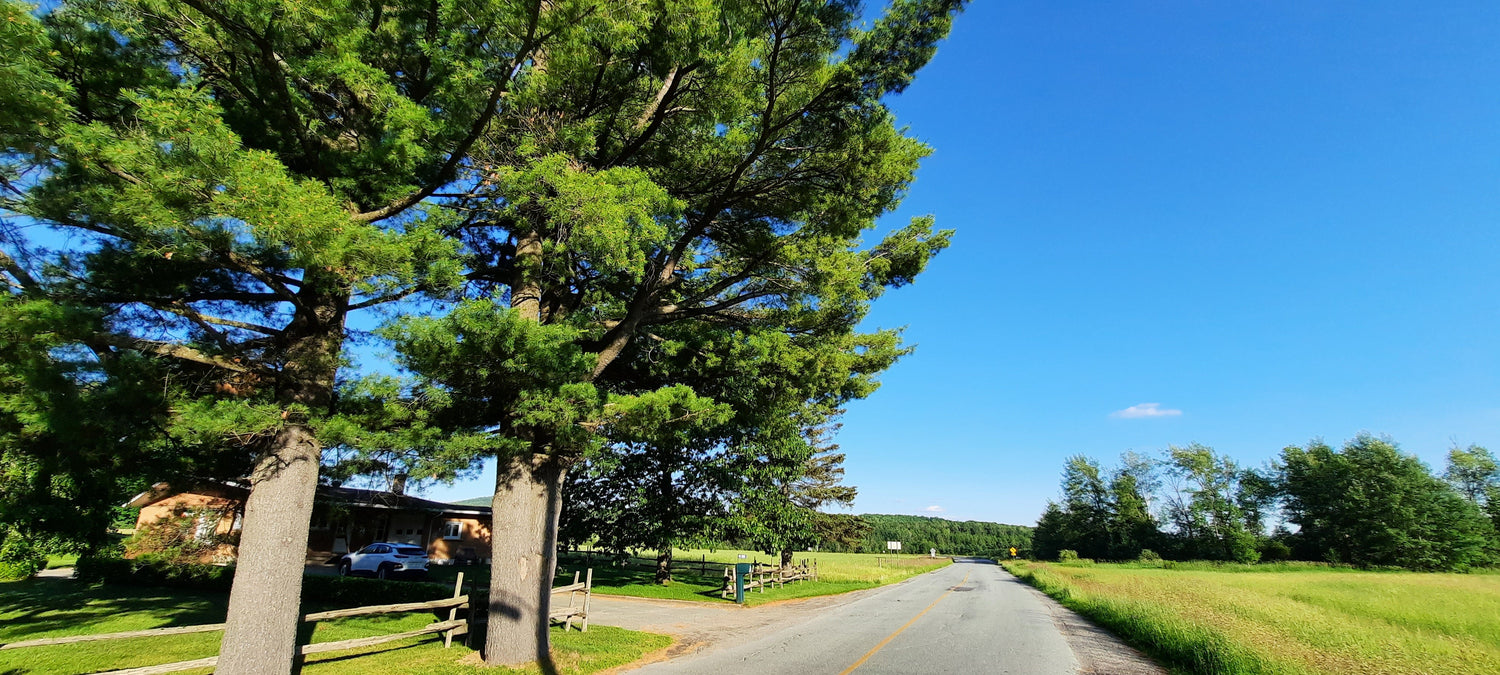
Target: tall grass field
1287	619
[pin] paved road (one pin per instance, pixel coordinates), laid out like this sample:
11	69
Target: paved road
970	617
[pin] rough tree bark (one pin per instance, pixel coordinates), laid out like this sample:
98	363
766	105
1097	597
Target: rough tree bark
527	502
260	631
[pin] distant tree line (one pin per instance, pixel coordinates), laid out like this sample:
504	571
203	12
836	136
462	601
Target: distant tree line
1367	504
918	534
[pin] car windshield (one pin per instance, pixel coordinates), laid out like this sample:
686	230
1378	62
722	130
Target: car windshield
410	550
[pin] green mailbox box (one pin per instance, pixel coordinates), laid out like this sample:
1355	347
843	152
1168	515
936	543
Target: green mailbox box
741	570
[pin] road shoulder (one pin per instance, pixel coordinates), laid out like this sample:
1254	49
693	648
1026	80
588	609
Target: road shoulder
1098	651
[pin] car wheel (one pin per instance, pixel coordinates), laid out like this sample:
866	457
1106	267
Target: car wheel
384	572
344	568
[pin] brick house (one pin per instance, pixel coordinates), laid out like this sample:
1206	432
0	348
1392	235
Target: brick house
344	520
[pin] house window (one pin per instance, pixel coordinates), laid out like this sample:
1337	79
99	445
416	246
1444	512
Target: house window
453	529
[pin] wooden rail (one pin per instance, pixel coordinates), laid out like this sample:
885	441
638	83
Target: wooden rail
573	610
450	628
702	566
316	648
567	614
152	632
455	601
761	576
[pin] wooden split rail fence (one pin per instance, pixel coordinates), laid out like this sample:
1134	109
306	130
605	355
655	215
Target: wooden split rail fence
566	615
579	593
450	628
761	576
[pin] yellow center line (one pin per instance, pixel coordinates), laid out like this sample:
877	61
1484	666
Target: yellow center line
892	636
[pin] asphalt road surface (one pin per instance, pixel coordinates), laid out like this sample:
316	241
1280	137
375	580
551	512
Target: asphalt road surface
969	617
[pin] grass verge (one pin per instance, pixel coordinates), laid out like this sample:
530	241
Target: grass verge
1287	619
55	607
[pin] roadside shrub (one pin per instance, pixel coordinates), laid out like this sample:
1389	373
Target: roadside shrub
19	558
1067	555
1273	551
154	571
326	590
188	536
1149	557
356	591
1243	549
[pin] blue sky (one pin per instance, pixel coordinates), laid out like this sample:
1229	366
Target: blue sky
1277	218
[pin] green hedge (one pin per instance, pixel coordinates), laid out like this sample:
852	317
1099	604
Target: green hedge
329	590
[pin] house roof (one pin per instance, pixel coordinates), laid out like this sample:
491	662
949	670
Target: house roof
387	500
476	501
374	499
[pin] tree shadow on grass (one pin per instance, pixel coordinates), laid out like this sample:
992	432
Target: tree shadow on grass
38	606
383	649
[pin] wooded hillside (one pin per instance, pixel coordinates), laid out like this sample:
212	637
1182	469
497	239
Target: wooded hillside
917	534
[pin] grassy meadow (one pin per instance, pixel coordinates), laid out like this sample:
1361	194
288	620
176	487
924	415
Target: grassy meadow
1287	619
39	608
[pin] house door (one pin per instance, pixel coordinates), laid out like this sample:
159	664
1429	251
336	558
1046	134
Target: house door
406	529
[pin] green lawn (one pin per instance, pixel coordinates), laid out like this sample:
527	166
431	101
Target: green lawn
56	560
837	573
51	608
1288	619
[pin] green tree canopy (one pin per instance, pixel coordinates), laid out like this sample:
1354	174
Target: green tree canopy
231	181
1370	504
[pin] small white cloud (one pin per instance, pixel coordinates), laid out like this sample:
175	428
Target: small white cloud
934	509
1145	410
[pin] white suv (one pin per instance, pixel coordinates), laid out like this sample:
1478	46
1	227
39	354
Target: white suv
385	561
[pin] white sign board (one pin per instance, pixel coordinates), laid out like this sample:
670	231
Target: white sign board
893	546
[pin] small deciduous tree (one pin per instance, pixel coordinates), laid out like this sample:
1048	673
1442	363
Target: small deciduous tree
1204	506
1474	472
1370	504
659	483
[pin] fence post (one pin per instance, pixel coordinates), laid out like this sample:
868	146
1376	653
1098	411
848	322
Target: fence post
588	594
572	597
458	587
469	617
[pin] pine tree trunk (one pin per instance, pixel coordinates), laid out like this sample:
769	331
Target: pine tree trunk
260	631
260	635
528	499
